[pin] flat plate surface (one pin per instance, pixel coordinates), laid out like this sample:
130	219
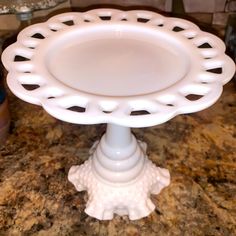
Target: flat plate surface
118	60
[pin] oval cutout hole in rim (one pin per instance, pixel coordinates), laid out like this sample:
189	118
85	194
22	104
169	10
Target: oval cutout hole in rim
193	97
140	112
107	112
69	22
105	17
21	58
217	70
77	109
38	36
30	87
143	20
205	45
177	29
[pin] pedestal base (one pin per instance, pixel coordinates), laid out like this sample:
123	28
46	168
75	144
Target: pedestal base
130	198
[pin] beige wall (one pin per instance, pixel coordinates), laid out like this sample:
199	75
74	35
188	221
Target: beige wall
164	5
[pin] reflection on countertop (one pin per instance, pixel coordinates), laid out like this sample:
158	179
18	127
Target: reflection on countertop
199	150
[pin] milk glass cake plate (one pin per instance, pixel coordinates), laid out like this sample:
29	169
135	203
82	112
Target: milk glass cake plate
126	69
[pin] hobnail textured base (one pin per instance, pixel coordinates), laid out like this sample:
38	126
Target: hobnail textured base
108	198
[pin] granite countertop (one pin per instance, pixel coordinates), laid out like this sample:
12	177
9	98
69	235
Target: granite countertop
199	150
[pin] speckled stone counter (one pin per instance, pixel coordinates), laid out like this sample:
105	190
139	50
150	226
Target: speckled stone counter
199	150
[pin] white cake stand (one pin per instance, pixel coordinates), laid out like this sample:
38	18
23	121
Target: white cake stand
124	68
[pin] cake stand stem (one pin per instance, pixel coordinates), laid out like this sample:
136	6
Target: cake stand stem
118	176
118	158
118	136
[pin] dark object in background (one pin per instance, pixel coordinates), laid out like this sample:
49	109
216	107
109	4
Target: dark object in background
4	121
4	112
230	38
2	89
